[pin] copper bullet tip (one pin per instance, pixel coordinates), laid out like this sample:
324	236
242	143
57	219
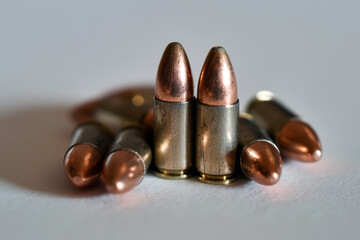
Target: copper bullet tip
123	170
83	164
174	82
299	141
261	161
217	82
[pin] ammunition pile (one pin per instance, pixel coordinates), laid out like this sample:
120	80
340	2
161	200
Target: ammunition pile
119	135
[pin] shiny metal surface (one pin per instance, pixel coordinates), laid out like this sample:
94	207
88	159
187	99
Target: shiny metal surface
173	115
217	82
260	159
127	162
217	114
83	164
294	137
216	142
174	138
298	140
174	82
83	161
123	170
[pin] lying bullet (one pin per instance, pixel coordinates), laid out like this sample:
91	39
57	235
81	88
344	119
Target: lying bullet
217	115
117	111
84	158
260	159
127	162
174	115
127	106
294	137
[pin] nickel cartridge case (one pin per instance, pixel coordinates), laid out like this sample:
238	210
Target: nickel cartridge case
217	141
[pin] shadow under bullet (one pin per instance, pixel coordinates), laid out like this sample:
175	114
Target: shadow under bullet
33	142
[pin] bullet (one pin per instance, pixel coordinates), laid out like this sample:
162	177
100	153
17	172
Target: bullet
174	115
125	109
84	158
295	138
127	106
127	162
217	115
260	158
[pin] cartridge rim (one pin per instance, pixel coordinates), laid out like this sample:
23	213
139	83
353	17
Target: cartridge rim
217	180
173	174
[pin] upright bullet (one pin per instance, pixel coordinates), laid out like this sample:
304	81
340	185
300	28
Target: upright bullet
174	115
294	137
217	114
260	159
84	158
127	162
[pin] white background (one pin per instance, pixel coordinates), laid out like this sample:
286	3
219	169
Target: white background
55	54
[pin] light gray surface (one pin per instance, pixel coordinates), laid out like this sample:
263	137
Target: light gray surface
55	54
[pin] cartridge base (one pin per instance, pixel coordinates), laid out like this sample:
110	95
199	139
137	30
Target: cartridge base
173	174
219	180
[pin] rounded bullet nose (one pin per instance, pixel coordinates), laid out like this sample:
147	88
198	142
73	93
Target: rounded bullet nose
317	155
299	141
217	82
174	82
261	161
123	170
83	165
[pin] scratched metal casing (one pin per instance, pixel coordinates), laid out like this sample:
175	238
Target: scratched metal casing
216	142
174	141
